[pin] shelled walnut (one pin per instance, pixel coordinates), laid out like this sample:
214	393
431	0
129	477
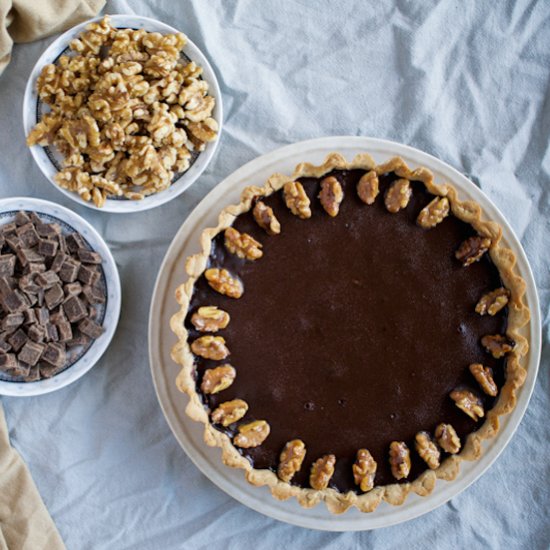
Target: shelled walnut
435	212
331	195
469	403
210	347
367	187
364	470
296	199
484	377
322	471
252	434
427	450
498	345
242	244
400	459
472	249
447	438
492	302
266	219
217	379
210	319
223	282
398	195
290	460
229	412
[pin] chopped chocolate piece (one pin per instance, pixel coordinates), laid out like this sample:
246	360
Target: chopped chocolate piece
40	297
13	241
48	230
21	370
36	333
43	315
92	312
4	346
90	328
47	248
52	334
78	340
30	317
17	339
7	361
7	265
27	284
87	275
8	228
47	279
74	242
34	375
34	268
55	355
29	255
1	240
88	257
32	299
22	218
54	296
72	289
31	352
65	331
63	244
12	320
69	270
74	309
35	218
47	371
5	286
28	235
14	301
58	316
58	261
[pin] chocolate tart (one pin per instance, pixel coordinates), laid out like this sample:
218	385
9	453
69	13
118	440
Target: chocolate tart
350	333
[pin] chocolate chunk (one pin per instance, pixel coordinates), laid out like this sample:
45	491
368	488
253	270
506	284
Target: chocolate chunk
17	339
40	297
7	361
34	268
5	286
87	275
7	265
34	375
14	301
28	235
29	255
65	331
62	244
30	317
31	352
78	340
58	261
13	320
72	289
8	228
74	242
4	346
74	309
35	218
55	355
28	285
13	241
58	316
22	218
88	257
52	334
21	370
43	316
69	270
54	296
32	299
48	371
47	279
48	230
90	328
36	333
47	248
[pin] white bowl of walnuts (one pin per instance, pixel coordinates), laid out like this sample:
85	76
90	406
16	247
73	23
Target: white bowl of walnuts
122	113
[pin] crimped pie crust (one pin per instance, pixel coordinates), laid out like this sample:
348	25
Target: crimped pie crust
518	316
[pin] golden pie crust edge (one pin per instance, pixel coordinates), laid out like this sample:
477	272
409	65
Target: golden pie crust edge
518	316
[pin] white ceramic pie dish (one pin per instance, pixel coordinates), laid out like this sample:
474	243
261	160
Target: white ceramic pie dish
46	158
69	222
161	339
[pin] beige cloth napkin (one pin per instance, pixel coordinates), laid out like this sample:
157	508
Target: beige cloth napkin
24	521
28	20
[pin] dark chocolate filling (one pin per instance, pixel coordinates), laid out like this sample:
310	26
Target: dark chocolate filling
352	331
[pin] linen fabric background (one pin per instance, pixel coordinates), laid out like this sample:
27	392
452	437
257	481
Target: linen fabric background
466	81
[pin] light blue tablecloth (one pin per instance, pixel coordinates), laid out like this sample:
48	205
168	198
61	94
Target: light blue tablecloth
464	80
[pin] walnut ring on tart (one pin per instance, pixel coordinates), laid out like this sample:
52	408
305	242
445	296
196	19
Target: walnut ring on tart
350	333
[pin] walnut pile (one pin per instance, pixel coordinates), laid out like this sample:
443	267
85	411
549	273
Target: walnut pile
126	112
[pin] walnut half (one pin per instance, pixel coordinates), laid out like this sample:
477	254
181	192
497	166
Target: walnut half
435	212
469	403
291	459
493	302
296	199
484	377
427	450
497	345
367	188
217	379
210	347
223	282
321	472
447	438
398	195
252	434
229	412
364	470
210	319
331	195
266	219
242	244
471	250
400	459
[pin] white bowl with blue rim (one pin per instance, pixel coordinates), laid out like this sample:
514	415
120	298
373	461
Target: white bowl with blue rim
50	161
82	359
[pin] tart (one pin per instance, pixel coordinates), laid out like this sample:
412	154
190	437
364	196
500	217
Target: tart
350	333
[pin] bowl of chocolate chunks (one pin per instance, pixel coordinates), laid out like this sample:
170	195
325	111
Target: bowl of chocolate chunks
59	296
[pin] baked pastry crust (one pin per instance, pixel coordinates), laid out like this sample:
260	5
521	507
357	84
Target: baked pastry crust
518	316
